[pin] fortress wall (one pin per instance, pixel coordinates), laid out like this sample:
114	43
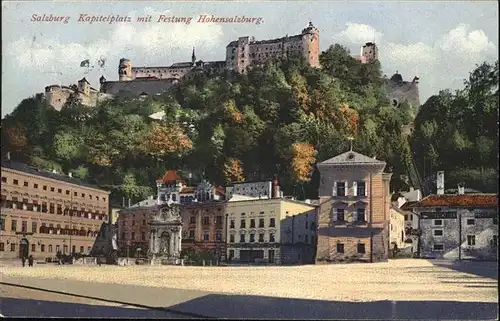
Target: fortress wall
57	97
161	73
136	87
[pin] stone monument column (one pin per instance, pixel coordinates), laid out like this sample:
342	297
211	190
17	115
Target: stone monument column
179	238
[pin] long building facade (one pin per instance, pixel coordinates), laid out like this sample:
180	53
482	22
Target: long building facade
43	213
354	210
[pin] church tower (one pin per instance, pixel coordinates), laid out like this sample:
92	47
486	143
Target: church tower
193	57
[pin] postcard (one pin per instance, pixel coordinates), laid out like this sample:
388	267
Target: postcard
249	159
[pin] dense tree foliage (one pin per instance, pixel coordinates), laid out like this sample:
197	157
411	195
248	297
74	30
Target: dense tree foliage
458	132
278	119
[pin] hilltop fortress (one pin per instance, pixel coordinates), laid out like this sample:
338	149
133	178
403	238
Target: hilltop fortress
241	54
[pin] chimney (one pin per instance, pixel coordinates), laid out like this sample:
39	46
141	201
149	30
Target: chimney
461	189
440	183
276	188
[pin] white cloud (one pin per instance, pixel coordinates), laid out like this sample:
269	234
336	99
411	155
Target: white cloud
462	42
153	42
358	33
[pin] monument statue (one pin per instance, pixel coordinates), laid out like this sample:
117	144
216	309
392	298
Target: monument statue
166	231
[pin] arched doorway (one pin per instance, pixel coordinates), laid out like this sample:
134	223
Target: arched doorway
24	248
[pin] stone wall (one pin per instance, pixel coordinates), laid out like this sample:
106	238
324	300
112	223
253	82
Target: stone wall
136	87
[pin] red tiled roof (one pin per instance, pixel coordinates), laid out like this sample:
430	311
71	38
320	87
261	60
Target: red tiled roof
171	177
187	190
466	200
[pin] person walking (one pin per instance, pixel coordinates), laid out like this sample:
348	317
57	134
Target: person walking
23	259
30	260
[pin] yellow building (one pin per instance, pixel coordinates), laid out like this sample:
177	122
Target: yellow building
44	213
397	231
256	231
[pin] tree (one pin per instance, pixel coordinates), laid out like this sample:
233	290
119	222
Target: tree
67	146
233	171
161	140
303	157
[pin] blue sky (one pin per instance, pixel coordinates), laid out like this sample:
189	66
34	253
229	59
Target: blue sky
441	42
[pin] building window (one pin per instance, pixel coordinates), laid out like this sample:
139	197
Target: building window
438	247
272	238
50	248
191	234
471	221
143	236
361	215
242	238
261	237
26	184
33	247
2	224
495	220
133	236
123	235
75	193
42	248
252	223
231	254
15	182
206	236
261	222
252	238
438	222
438	232
218	236
494	241
2	245
340	215
89	249
35	185
12	247
206	220
341	188
361	189
52	189
58	249
67	192
272	222
83	194
243	224
59	190
13	225
471	240
4	180
361	248
340	248
231	224
33	227
231	238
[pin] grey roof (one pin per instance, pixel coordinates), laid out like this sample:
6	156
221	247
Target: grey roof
21	167
352	158
182	64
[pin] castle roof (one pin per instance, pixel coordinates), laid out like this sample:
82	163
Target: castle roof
182	64
352	158
83	80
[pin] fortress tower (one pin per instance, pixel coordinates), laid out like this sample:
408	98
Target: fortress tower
125	70
310	41
369	52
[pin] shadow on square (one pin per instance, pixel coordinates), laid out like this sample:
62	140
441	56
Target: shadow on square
258	307
14	307
480	269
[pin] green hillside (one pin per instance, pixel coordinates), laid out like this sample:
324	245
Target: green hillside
278	119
